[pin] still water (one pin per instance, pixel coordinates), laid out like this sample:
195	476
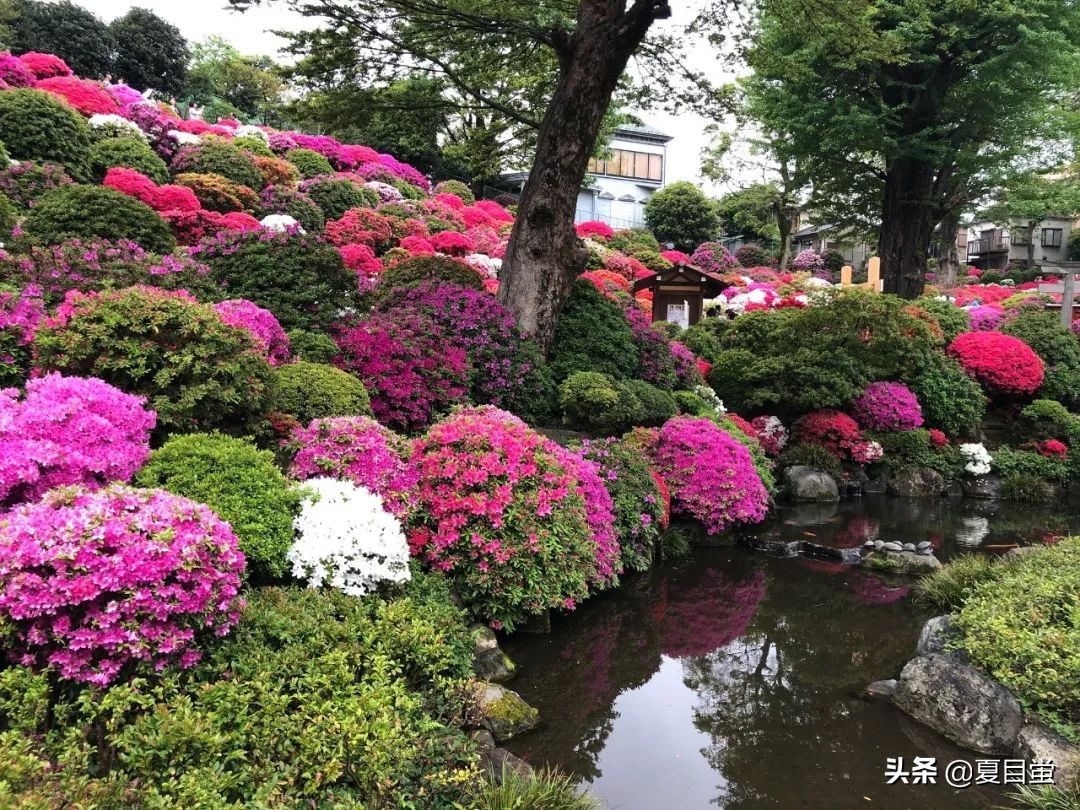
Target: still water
731	680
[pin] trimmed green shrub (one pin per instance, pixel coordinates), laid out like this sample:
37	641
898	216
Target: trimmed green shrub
952	319
222	158
336	196
657	405
592	334
1022	629
254	144
592	401
313	391
83	212
36	126
241	484
951	400
1008	461
5	158
628	240
197	373
1059	348
810	455
309	163
948	587
1050	419
300	279
420	269
458	188
691	404
913	447
314	347
131	153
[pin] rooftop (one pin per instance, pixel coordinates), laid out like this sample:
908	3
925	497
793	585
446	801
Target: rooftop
642	132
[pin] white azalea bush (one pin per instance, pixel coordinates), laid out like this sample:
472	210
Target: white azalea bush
347	539
110	125
280	223
978	458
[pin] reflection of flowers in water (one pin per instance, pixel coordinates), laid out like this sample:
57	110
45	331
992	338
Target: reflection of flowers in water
823	566
973	531
870	590
863	528
708	614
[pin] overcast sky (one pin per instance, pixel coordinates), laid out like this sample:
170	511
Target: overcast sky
250	33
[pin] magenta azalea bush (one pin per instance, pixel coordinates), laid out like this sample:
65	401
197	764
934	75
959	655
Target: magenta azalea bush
713	257
21	310
92	583
502	515
887	406
985	318
710	474
362	451
260	324
600	514
69	430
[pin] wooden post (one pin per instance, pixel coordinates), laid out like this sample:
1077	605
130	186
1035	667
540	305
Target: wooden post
845	276
873	274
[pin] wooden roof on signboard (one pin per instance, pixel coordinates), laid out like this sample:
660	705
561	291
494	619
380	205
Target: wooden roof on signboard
709	283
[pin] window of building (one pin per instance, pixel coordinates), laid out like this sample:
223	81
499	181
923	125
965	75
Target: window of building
635	165
1051	237
1020	237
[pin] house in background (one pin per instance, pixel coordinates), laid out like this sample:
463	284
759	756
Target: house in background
617	188
994	247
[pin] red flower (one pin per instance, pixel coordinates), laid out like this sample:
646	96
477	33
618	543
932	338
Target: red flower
1000	362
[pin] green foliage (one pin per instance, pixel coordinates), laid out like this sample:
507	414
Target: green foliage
241	484
947	588
231	84
952	319
336	196
5	158
253	144
458	188
83	212
221	158
681	214
951	400
313	391
1022	628
315	698
310	164
150	53
1009	461
913	448
69	31
1044	797
691	404
546	790
592	334
1027	489
810	455
314	347
195	372
130	152
217	193
417	270
750	212
599	404
1057	346
9	215
36	126
1050	419
301	207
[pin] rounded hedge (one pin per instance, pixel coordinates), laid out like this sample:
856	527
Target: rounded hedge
294	203
1059	348
314	391
418	270
309	163
314	347
131	153
241	484
951	400
335	195
219	157
194	370
96	211
592	334
217	193
35	125
457	188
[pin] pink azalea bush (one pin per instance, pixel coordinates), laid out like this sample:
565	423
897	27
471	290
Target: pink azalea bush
89	98
808	261
600	515
93	583
594	229
985	318
14	72
713	257
887	406
710	474
69	430
360	450
45	65
260	324
502	515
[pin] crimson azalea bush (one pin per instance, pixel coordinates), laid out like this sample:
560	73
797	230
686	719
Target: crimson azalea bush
835	431
594	229
45	65
501	515
360	226
360	450
887	406
69	430
406	364
89	98
260	324
93	583
1002	363
710	474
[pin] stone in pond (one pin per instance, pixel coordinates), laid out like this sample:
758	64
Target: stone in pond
881	690
495	666
497	762
983	487
893	546
504	712
917	482
1036	742
901	562
879	544
961	703
935	637
808	484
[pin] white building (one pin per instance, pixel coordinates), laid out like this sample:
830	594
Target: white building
994	247
616	189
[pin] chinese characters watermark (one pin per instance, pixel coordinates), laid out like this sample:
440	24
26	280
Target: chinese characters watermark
961	774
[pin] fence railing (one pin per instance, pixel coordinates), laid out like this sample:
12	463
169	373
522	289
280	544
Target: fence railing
989	244
585	215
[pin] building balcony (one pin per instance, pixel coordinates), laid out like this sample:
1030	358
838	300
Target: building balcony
989	244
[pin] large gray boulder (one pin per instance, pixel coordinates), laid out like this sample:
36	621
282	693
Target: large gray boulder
983	487
888	561
809	485
1036	741
961	703
935	638
504	713
917	482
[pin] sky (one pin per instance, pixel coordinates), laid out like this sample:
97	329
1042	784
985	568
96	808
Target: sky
250	33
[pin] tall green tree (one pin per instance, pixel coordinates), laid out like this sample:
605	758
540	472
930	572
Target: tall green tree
682	215
76	35
902	101
150	52
251	85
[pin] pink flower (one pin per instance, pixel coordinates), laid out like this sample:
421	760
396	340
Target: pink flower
260	324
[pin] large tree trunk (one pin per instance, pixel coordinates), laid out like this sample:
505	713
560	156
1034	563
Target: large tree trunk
784	216
950	256
544	254
1030	245
907	226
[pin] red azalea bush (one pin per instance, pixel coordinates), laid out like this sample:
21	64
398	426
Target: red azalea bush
260	324
836	432
360	226
710	474
69	430
607	282
938	439
134	184
174	198
93	583
676	257
360	450
595	229
361	259
89	98
192	227
406	365
502	515
1001	363
451	243
1052	448
417	246
45	65
495	211
626	266
887	406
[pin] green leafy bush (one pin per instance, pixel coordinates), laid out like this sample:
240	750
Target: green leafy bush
217	193
336	196
275	716
314	347
84	212
1050	419
221	158
458	188
597	403
8	216
681	214
241	484
420	269
952	319
1008	461
313	391
1027	489
132	153
1059	348
592	334
254	144
309	163
657	405
905	448
951	400
1022	628
195	372
37	126
947	588
810	455
691	404
299	206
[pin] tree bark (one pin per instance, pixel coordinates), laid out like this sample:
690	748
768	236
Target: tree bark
544	254
1030	244
907	226
784	217
950	256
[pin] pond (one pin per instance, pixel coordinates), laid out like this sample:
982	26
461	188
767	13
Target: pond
731	680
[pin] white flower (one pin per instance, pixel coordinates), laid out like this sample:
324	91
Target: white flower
710	398
347	539
813	281
249	130
488	265
116	122
279	222
774	429
978	458
386	192
184	138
